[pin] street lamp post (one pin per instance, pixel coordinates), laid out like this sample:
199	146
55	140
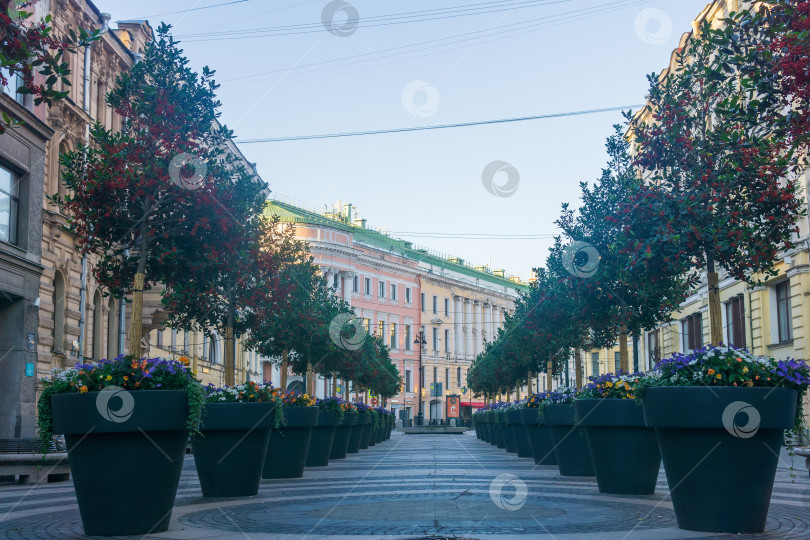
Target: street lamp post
420	341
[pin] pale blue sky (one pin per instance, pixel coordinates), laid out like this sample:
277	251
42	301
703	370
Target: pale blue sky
510	58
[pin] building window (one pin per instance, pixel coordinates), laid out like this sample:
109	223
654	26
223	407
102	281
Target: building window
446	340
9	205
447	378
617	358
368	286
735	317
458	376
185	342
58	312
435	378
408	380
435	339
160	337
692	332
653	352
435	304
14	83
408	337
407	295
595	364
367	325
97	323
355	284
382	289
393	292
381	329
423	302
394	335
784	317
174	340
446	307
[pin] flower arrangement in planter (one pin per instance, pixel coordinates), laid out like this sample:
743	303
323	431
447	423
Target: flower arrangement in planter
556	411
131	413
289	445
332	411
720	416
360	427
537	432
343	432
230	451
624	451
517	441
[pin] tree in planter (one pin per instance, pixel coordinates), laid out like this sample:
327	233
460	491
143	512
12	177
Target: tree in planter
618	296
139	197
715	172
291	314
27	48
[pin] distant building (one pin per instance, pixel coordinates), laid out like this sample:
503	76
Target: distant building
400	290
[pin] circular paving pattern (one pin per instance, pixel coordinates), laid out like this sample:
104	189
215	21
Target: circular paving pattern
420	487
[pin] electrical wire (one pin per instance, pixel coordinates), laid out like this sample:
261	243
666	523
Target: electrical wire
440	126
192	9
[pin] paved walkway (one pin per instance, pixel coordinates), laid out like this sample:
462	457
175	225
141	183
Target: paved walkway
412	486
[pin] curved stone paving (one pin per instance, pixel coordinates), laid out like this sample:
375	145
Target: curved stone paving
417	486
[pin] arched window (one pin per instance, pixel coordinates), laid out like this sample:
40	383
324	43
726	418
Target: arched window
61	188
58	312
112	329
98	307
214	349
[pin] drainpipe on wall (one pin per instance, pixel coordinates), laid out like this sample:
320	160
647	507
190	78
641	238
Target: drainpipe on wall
88	57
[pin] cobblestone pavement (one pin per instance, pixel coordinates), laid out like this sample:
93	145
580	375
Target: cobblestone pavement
414	487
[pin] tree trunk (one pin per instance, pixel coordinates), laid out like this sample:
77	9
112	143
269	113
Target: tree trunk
283	374
578	374
334	385
549	368
230	346
310	382
529	384
715	320
345	390
517	392
136	323
624	360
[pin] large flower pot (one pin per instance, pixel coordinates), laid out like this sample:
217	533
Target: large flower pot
323	436
570	441
230	453
372	440
720	447
624	452
490	429
500	434
126	451
539	437
382	429
356	436
289	445
343	432
368	429
391	422
521	438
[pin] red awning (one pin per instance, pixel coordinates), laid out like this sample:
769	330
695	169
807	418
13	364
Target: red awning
475	404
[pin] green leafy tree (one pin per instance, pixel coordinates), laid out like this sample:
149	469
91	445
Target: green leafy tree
715	170
139	197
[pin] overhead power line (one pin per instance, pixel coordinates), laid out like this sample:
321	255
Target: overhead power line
192	9
440	126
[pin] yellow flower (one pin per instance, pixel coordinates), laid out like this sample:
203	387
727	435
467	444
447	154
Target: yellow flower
109	377
745	369
126	378
711	371
719	376
609	384
83	389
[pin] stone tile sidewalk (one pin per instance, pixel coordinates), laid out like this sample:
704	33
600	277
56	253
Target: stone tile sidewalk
413	486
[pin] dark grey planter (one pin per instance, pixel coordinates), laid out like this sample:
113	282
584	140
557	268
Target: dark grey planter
570	441
355	439
323	436
720	447
623	450
230	453
123	459
289	445
368	428
515	422
539	438
343	432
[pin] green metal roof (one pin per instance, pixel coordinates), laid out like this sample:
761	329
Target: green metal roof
290	213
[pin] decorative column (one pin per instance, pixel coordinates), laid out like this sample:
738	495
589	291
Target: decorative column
468	323
458	322
479	327
489	334
348	278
